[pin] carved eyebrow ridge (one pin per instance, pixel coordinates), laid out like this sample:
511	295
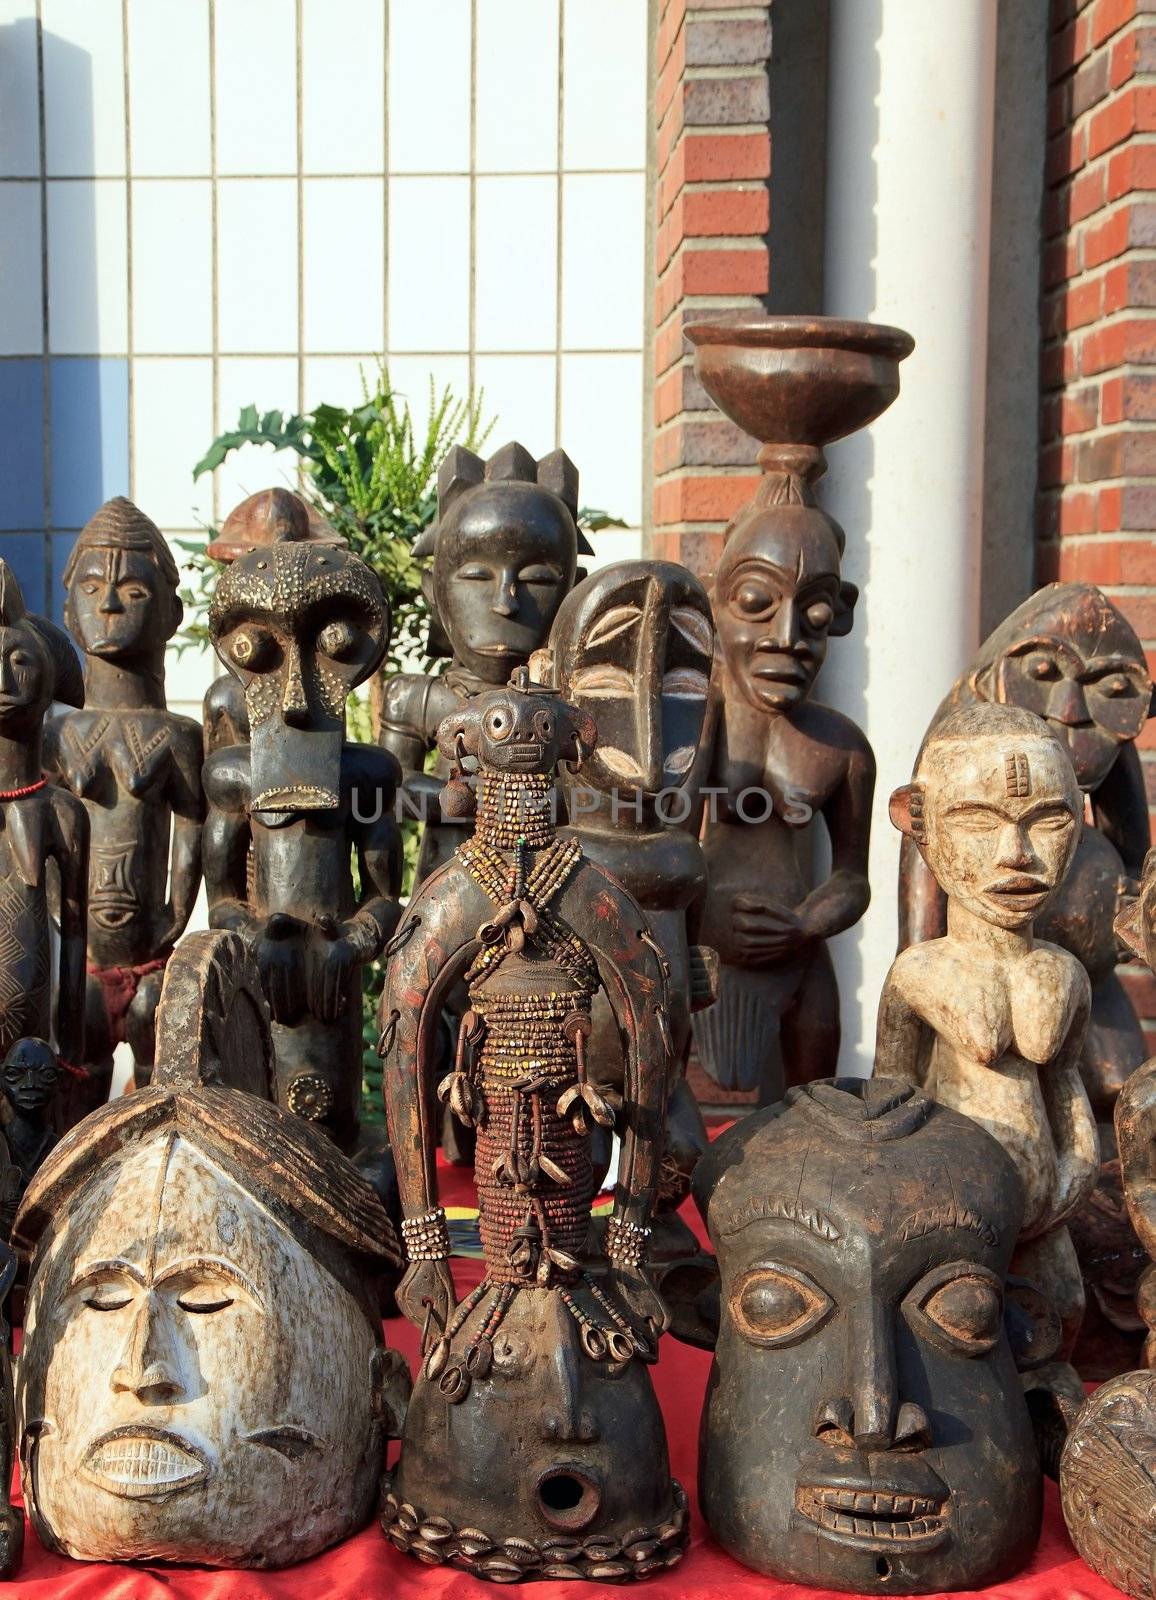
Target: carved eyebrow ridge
763	1208
933	1219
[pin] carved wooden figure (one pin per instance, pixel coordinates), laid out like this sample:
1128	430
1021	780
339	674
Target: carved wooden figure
779	758
203	1376
137	767
989	1018
1136	1110
39	823
1071	657
300	624
1108	1483
11	1517
272	516
632	645
29	1081
504	548
534	1445
865	1428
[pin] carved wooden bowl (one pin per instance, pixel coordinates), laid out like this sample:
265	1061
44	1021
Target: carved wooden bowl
799	380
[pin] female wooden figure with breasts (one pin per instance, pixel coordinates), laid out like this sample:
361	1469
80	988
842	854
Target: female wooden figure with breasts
137	767
988	1019
39	823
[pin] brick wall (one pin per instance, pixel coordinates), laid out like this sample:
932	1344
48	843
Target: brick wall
713	160
1097	499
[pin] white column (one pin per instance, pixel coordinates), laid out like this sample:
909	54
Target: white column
909	176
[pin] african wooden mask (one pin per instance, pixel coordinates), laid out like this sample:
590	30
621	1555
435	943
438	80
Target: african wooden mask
865	1428
203	1377
299	625
633	644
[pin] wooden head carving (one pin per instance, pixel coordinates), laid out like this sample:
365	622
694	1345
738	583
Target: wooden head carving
632	645
299	625
1108	1482
865	1427
121	582
203	1377
527	731
505	548
1072	657
995	810
37	664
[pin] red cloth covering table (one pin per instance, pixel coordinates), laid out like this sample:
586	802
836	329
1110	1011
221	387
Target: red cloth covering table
369	1568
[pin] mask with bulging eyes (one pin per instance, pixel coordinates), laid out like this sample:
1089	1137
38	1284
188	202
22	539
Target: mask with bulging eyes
633	646
1068	655
299	626
865	1427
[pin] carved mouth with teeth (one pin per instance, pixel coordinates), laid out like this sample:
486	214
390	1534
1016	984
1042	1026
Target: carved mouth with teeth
139	1463
874	1516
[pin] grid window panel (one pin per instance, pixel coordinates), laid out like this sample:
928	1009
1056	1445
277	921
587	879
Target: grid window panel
89	401
257	264
22	444
172	256
601	408
429	264
256	87
422	32
21	312
605	72
83	87
520	391
172	409
268	382
516	263
516	87
87	268
19	91
342	85
25	554
603	244
344	263
169	88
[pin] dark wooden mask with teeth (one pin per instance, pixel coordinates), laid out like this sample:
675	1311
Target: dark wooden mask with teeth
865	1428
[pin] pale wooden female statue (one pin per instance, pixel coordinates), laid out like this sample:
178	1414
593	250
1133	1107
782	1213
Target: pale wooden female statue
988	1019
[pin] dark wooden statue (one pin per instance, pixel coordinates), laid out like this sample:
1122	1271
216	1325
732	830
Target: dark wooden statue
11	1517
779	758
865	1428
1108	1483
1136	1110
300	624
989	1018
137	767
29	1081
39	823
632	645
534	1446
504	548
1068	655
203	1377
272	516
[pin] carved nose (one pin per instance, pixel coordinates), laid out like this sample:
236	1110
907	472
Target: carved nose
1066	703
783	633
1014	849
565	1420
149	1365
294	704
505	601
835	1426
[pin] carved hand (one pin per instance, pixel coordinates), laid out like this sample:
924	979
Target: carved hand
429	1281
281	962
330	966
703	976
764	931
643	1299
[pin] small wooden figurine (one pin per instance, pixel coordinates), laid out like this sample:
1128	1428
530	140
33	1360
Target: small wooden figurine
504	548
203	1376
779	758
29	1080
534	1446
632	645
988	1018
137	767
865	1428
1108	1483
300	624
1136	1111
1071	657
39	823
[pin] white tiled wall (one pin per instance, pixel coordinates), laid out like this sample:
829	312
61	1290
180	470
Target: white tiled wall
247	200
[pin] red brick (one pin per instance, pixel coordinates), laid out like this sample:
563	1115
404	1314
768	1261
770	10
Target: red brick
1107	239
725	271
1108	509
1139	397
715	102
1137	507
1111	124
1138	562
671	76
1088	192
719	157
1131	169
1077	513
1108	17
703	499
1089	561
1080	410
1090	85
1115	288
722	212
727	41
1112	401
1067	152
1123	60
1083	304
1140	610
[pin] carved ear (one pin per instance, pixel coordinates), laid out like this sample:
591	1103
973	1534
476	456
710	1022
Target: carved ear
1032	1324
541	665
437	641
844	610
905	808
583	731
459	734
1152	702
